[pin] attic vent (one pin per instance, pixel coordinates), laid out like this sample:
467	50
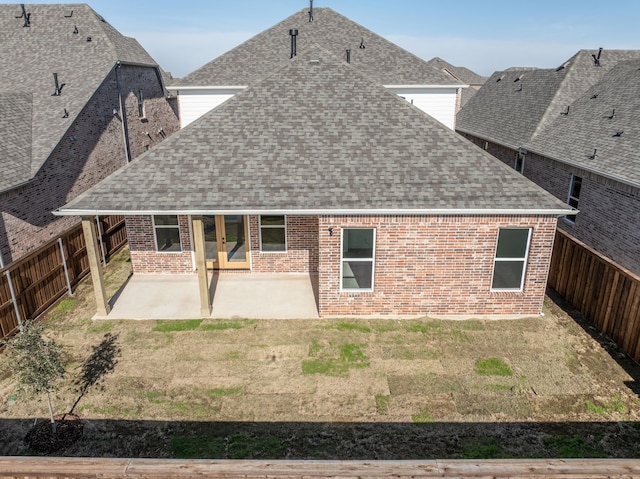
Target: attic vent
618	134
362	47
26	16
596	59
613	114
562	67
68	15
519	88
595	153
293	33
75	29
565	112
88	39
310	11
593	97
518	79
66	114
500	79
314	60
59	86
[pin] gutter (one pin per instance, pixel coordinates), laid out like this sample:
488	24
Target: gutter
211	87
413	87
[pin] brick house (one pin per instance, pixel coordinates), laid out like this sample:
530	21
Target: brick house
430	89
77	101
573	131
316	169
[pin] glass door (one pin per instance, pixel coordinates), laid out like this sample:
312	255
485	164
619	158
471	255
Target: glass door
227	242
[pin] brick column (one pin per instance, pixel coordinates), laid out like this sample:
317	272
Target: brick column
93	254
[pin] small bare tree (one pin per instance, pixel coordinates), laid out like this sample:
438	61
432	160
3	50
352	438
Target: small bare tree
101	362
36	363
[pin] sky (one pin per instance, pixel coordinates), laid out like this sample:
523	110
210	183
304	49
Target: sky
482	35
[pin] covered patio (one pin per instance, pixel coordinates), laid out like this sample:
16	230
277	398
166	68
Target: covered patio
250	296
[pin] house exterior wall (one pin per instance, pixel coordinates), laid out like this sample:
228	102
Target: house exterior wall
302	247
73	167
441	265
144	257
609	218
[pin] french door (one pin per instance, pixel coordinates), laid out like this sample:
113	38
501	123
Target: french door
226	240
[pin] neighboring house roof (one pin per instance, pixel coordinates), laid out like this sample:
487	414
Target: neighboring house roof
460	73
380	60
70	40
512	113
605	118
316	137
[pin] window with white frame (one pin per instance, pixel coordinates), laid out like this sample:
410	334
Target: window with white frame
167	233
518	164
273	233
510	262
574	195
141	111
357	259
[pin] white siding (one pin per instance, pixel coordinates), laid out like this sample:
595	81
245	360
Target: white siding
195	103
440	103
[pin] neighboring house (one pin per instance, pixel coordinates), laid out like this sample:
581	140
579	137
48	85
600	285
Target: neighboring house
316	169
574	131
461	74
77	101
381	61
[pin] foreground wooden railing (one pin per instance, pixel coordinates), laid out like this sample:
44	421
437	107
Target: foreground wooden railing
63	468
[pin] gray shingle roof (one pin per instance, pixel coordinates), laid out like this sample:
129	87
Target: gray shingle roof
30	55
591	124
461	73
315	136
505	114
15	138
380	60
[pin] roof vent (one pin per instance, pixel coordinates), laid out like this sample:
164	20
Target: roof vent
88	39
613	114
593	97
595	153
596	59
75	30
362	47
500	79
66	114
68	15
348	55
294	33
310	11
58	85
26	16
565	112
618	134
518	79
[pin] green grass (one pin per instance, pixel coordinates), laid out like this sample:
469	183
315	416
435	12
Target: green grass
616	405
167	326
225	392
572	447
382	403
237	446
100	327
492	367
349	356
424	328
424	416
222	325
361	328
490	450
314	350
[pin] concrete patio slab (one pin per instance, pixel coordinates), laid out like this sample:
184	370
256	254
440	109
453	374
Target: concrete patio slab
251	296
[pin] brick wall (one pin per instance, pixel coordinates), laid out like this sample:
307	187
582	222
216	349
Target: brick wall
73	167
609	218
302	247
434	265
144	257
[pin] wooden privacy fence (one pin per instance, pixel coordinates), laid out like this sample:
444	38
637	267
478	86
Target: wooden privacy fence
66	468
606	293
31	285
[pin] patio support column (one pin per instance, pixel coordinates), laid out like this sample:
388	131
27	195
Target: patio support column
201	265
91	240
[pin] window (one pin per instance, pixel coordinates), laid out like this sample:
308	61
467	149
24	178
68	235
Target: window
141	112
511	259
167	233
358	253
574	195
485	145
273	234
518	164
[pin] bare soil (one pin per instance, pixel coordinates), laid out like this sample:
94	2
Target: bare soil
339	389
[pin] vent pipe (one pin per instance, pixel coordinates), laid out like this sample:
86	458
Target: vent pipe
596	59
58	85
310	11
26	16
294	33
348	55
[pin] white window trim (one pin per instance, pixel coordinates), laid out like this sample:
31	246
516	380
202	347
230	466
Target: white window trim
519	155
261	226
525	260
141	106
572	218
372	260
155	236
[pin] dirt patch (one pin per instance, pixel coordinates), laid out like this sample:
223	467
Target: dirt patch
341	389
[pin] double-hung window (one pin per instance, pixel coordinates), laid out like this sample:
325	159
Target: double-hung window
273	234
574	195
357	261
167	233
518	164
510	261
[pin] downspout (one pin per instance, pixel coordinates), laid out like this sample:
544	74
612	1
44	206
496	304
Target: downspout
123	117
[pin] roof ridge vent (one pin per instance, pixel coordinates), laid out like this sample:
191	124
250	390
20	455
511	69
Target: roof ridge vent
26	16
310	11
596	59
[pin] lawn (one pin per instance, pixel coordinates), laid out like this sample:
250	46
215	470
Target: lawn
338	389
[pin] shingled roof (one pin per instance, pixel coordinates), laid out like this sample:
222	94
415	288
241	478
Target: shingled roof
460	73
315	137
70	40
515	105
379	59
605	120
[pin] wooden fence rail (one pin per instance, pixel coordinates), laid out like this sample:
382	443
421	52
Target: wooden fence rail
31	285
65	468
606	293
